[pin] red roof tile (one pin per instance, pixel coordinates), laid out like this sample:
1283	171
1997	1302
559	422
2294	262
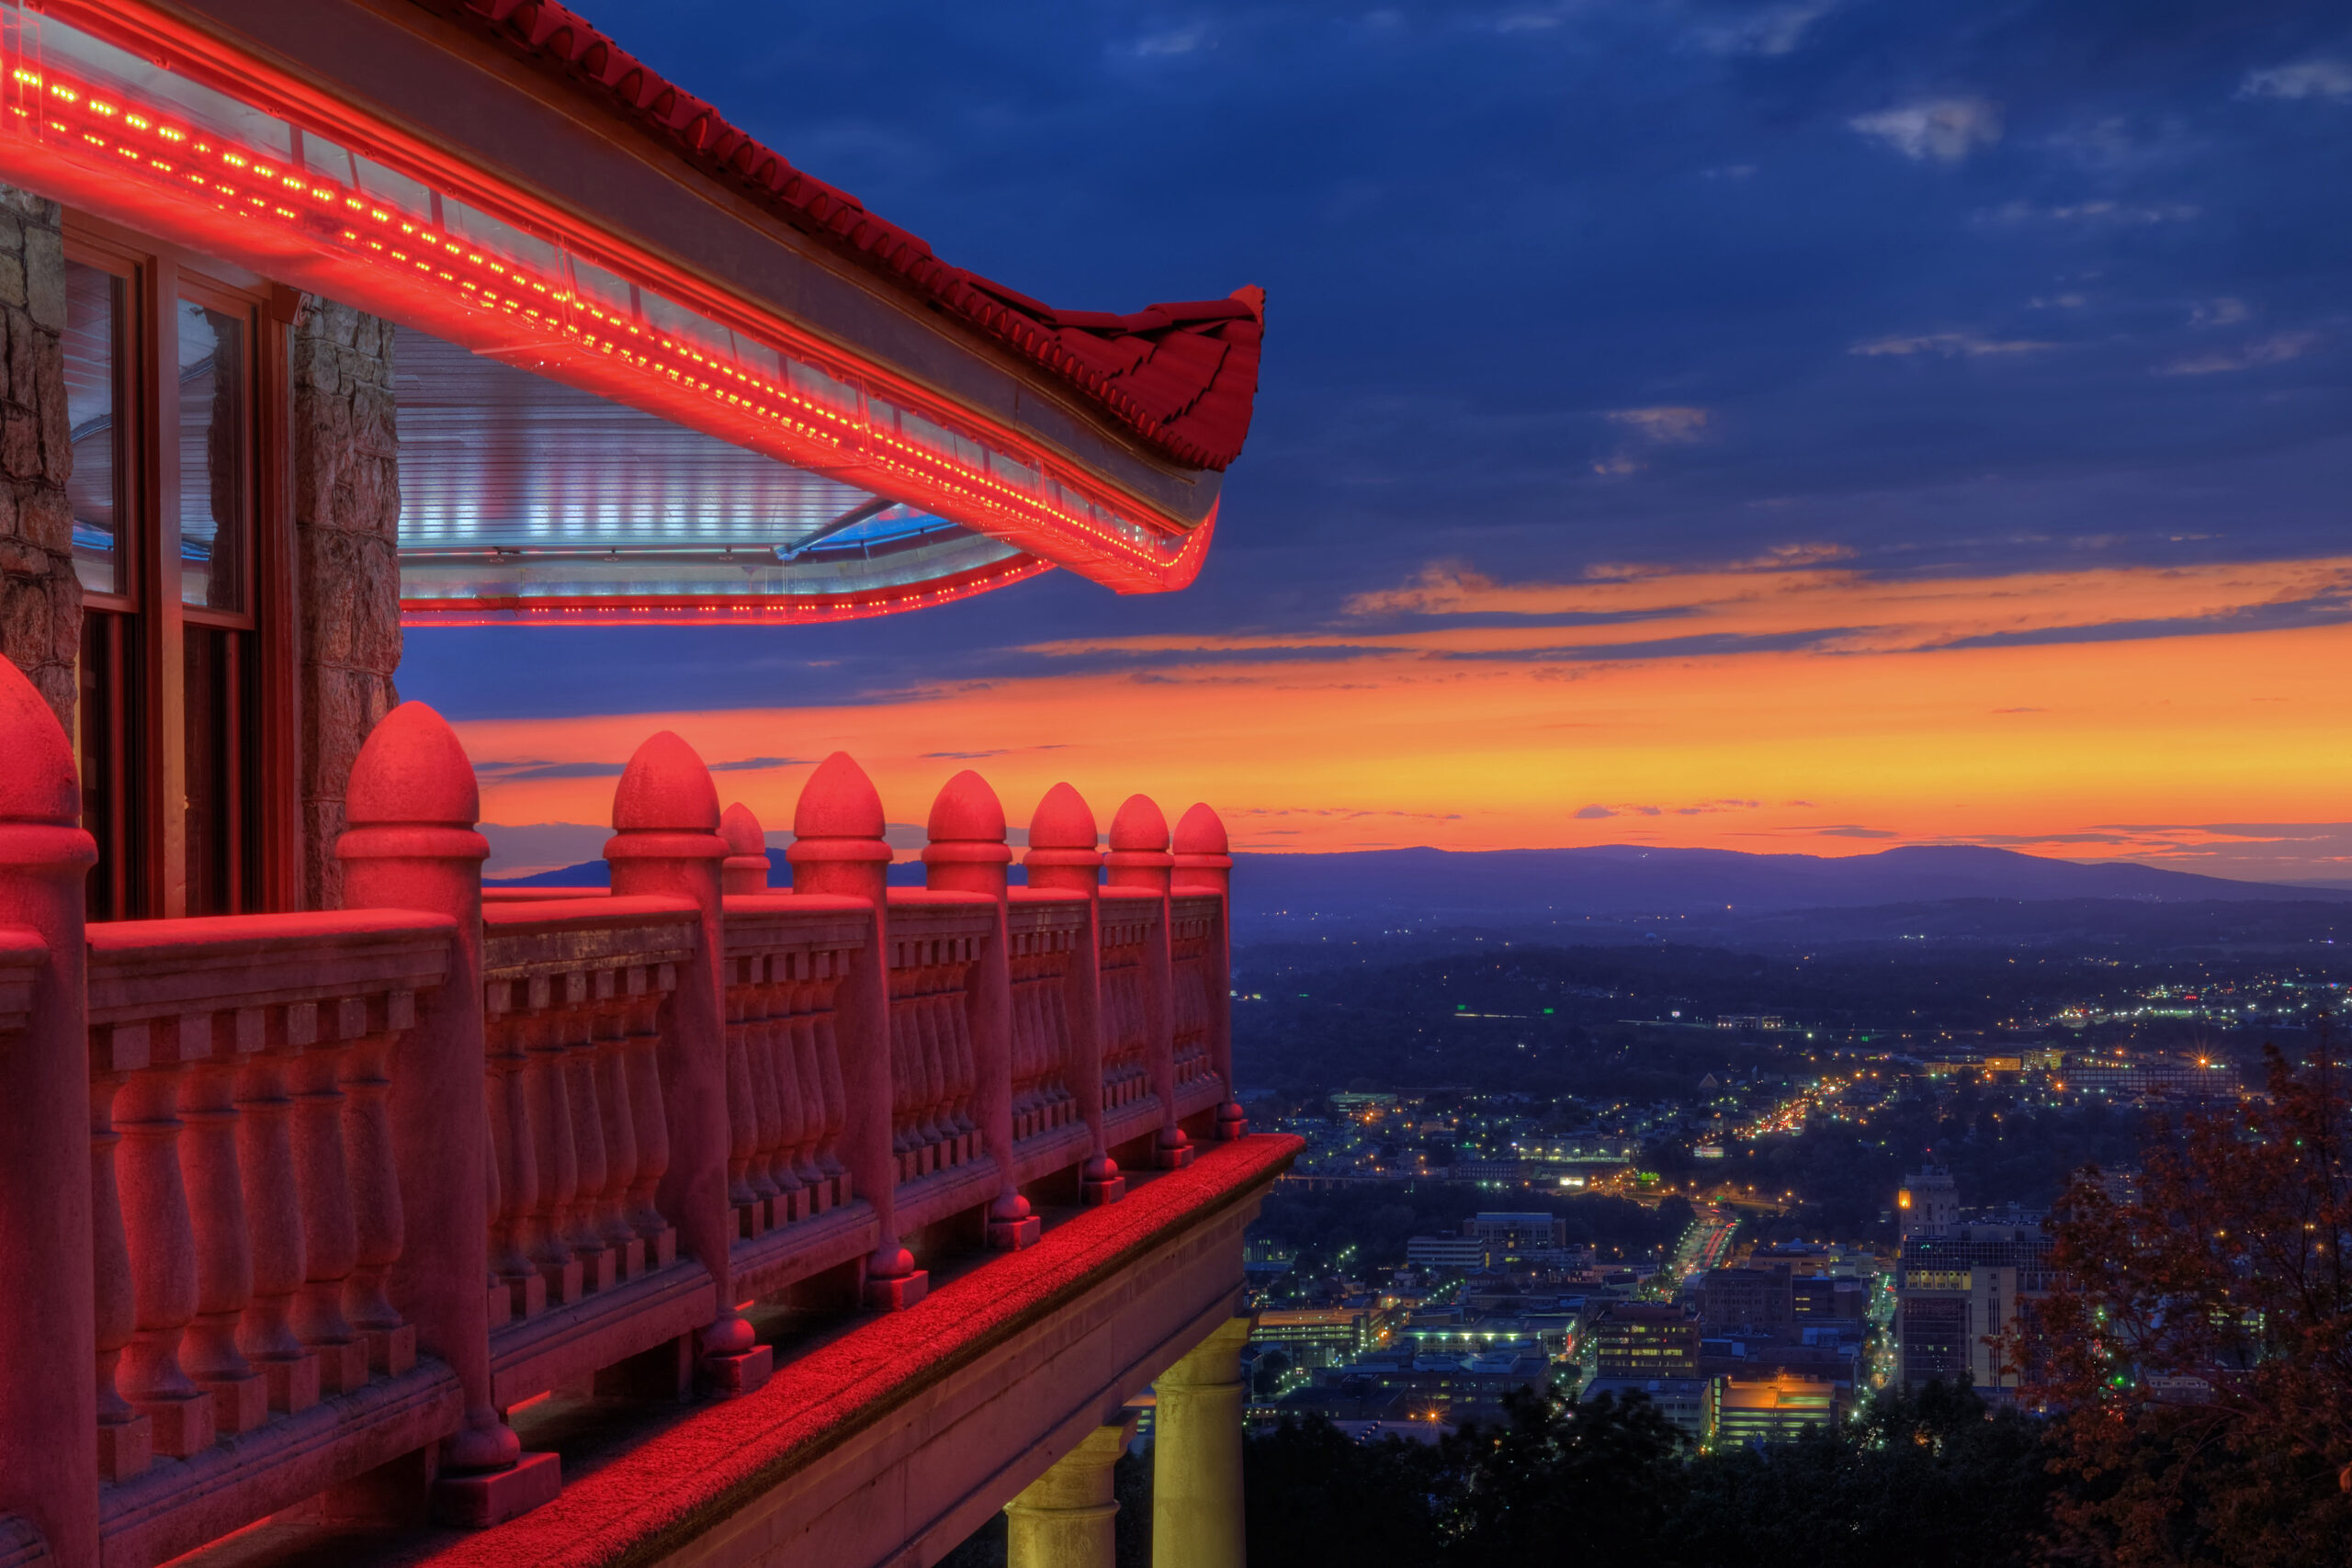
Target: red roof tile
1183	377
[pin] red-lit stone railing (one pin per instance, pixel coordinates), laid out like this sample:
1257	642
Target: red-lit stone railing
572	993
298	1196
1047	936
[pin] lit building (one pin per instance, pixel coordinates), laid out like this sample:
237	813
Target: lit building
1959	1289
1315	1337
1927	1204
1743	1413
1644	1339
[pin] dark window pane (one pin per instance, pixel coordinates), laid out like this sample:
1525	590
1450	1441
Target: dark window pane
213	491
219	757
93	392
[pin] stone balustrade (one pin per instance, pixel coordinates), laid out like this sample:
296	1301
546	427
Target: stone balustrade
319	1194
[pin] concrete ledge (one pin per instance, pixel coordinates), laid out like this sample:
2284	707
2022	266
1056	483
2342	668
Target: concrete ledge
767	1263
918	1424
179	1504
568	1342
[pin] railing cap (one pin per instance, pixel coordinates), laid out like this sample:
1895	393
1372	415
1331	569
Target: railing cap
1140	825
967	825
39	784
412	770
742	832
838	817
666	789
1063	821
1201	838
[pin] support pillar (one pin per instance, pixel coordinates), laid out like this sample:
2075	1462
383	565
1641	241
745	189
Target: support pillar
1196	1518
838	849
1139	858
1067	1518
411	844
665	842
967	854
1062	857
1204	864
49	1401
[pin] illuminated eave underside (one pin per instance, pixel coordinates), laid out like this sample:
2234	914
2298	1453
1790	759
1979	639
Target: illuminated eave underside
217	153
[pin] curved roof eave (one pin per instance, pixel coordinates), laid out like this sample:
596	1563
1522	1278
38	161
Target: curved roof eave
1182	376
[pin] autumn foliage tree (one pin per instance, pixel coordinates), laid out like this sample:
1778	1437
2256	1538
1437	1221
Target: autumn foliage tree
2197	1362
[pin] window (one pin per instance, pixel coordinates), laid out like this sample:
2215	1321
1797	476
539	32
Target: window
168	404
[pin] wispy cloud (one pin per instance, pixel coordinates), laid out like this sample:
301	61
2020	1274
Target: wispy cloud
2124	213
1946	129
1946	345
2274	350
2316	78
1665	425
1768	30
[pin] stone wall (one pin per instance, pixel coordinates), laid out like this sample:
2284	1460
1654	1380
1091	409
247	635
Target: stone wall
40	598
346	540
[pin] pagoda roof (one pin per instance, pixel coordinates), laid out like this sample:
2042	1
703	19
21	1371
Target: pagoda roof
1182	376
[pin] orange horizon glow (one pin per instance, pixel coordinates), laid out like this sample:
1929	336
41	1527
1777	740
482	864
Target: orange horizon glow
1784	705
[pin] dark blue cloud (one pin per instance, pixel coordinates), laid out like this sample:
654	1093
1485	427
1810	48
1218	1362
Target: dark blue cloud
1957	287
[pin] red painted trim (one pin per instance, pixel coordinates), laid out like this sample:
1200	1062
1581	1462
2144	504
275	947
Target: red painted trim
672	1487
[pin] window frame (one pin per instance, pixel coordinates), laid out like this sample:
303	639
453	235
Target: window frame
159	275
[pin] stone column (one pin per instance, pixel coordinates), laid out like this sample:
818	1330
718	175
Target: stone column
1062	857
347	503
40	597
1196	1515
1204	864
1066	1517
49	1409
838	851
411	845
967	854
665	842
1139	858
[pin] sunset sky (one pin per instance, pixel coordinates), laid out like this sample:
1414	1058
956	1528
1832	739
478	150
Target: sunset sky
1816	425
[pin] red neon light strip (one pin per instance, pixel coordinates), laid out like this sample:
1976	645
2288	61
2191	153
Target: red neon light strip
683	610
446	281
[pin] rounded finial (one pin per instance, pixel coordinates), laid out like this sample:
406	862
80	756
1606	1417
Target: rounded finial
966	810
1064	821
1139	826
411	770
39	784
838	802
1202	832
666	788
742	831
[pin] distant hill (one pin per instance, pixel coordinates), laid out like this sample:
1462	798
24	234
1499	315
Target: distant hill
1613	879
1448	884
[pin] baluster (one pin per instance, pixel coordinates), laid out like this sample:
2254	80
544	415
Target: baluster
963	1061
162	1248
767	1110
323	1177
224	1273
826	1035
125	1437
651	1122
379	1224
513	1161
611	1067
799	1066
582	1238
742	1114
938	1124
780	1034
551	1147
923	1021
274	1213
